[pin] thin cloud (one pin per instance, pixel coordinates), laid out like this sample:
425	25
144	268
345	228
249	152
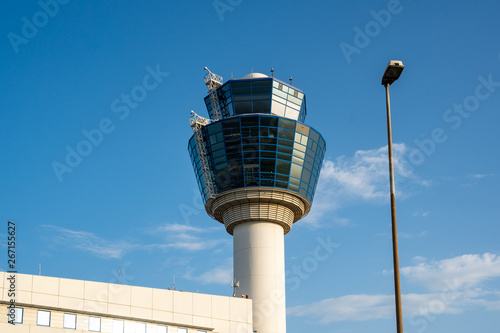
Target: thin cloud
468	270
363	176
222	274
454	284
89	242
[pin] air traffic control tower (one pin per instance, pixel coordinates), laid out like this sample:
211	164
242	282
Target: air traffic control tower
257	166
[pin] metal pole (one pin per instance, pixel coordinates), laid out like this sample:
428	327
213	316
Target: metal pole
395	255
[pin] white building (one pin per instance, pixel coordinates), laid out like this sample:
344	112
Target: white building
56	305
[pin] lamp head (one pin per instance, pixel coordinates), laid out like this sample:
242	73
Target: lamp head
392	72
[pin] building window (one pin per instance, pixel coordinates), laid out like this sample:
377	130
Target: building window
15	316
94	324
43	318
202	331
162	329
117	326
182	330
140	327
69	321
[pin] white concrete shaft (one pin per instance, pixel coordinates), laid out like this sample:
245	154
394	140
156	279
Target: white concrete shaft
259	267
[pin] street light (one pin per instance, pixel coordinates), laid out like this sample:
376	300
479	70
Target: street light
391	74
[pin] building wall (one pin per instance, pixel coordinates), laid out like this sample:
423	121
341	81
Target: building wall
135	306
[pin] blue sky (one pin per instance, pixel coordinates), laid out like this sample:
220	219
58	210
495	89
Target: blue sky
132	202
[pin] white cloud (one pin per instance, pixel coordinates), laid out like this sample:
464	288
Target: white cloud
481	175
455	285
363	176
184	237
222	274
88	242
366	307
466	271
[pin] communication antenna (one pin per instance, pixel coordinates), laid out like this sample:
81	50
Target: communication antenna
234	286
119	273
272	71
290	80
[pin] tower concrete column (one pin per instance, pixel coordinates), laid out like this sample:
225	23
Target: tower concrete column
258	219
259	267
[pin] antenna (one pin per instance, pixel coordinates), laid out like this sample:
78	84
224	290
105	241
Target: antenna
119	273
174	282
290	80
272	71
234	286
251	70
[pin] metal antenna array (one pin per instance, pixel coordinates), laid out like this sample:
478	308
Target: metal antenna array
213	81
197	123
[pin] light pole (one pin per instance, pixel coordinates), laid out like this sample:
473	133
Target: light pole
391	74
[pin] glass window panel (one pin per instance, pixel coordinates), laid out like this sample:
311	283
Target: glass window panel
240	84
299	147
250	140
304	140
303	192
306	176
267	165
264	131
279	99
314	135
17	316
286	150
267	182
299	154
242	98
268	154
117	326
263	106
241	91
267	175
278	109
295	100
231	123
296	170
235	167
268	147
290	135
94	324
250	121
304	186
300	95
243	107
283	178
250	147
288	124
281	184
269	121
260	83
140	327
275	84
293	187
282	167
162	329
285	143
254	131
297	160
284	157
214	128
261	90
285	88
291	113
43	318
295	181
282	133
69	321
